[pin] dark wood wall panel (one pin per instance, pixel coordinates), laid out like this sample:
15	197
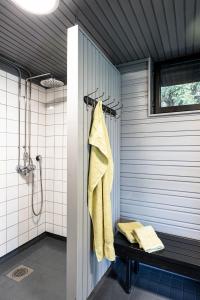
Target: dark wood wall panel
125	30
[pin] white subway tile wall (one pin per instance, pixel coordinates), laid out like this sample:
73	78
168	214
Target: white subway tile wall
56	161
48	138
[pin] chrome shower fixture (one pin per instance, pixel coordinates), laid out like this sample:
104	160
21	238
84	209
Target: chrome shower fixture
27	167
51	83
26	170
39	160
37	76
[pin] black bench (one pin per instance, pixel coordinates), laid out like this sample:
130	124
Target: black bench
181	255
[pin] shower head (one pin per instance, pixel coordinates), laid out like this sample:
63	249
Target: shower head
51	83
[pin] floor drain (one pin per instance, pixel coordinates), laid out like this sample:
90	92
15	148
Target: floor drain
19	273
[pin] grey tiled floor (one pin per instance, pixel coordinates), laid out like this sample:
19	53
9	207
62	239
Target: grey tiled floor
48	281
150	284
48	259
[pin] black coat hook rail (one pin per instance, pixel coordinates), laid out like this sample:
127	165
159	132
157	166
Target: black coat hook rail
106	109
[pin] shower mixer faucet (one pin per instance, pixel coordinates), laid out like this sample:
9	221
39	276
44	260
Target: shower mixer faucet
28	166
26	170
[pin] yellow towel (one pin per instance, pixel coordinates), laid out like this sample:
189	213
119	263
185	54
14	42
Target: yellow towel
127	229
100	185
148	239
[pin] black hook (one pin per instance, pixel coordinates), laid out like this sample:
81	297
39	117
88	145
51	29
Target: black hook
107	99
119	107
111	102
115	105
92	92
99	97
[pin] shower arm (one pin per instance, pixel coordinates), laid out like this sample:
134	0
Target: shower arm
37	76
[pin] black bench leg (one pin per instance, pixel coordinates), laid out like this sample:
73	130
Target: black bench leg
128	275
136	267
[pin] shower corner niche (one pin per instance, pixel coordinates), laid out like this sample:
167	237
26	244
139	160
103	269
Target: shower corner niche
27	155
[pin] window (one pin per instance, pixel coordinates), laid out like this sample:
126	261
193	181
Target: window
177	86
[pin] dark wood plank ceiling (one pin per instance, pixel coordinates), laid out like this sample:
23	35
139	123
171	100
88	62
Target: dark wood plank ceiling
126	30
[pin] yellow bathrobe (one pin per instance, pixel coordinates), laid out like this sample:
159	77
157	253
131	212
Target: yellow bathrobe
100	186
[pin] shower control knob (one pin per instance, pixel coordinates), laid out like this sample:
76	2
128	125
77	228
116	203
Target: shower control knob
38	157
31	168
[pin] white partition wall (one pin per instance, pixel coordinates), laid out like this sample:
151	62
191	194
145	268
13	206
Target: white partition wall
87	69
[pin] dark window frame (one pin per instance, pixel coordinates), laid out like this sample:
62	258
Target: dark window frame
157	109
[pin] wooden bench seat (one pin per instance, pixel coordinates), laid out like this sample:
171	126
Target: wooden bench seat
181	255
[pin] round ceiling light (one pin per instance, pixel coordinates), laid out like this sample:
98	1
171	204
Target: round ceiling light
38	7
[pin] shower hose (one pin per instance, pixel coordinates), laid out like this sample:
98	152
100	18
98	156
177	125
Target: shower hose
39	159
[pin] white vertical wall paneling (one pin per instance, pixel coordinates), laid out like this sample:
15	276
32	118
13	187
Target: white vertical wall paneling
160	162
85	221
72	163
81	233
94	71
98	73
